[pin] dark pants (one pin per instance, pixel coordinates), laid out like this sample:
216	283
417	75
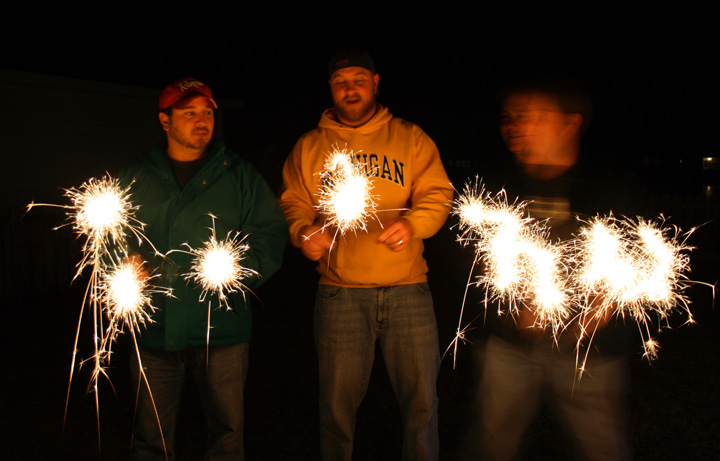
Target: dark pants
348	323
220	384
516	379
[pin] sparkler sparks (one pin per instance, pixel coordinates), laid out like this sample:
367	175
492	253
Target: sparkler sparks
345	198
216	267
521	266
634	268
101	211
611	268
126	293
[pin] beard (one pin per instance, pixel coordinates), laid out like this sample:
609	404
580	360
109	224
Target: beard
355	114
187	141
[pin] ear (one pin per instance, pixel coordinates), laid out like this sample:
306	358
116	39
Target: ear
576	121
376	79
164	121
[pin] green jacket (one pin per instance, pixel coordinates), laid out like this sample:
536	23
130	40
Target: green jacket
235	193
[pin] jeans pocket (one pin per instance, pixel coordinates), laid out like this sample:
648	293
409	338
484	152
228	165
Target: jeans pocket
328	292
424	287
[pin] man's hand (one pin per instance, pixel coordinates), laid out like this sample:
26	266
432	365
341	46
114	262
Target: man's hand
596	318
397	234
527	323
136	260
314	242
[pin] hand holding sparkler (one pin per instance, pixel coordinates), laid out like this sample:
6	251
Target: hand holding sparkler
612	268
314	241
345	197
397	234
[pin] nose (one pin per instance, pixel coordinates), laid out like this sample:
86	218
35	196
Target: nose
201	119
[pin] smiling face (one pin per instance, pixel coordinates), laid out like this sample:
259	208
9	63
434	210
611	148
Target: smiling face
189	128
354	90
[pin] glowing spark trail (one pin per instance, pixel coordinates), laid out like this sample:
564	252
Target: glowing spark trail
610	268
636	269
216	269
521	265
101	211
345	198
126	294
522	268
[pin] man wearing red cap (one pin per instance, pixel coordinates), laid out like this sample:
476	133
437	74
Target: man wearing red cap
178	186
373	285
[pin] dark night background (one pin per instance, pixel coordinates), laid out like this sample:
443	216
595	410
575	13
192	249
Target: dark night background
654	82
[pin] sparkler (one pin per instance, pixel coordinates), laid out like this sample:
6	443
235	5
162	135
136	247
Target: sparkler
216	269
345	197
634	268
101	211
522	268
611	268
126	294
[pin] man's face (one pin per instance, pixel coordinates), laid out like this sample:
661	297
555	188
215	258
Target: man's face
353	91
191	126
536	130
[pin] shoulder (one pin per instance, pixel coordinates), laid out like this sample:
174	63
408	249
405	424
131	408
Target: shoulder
408	127
145	163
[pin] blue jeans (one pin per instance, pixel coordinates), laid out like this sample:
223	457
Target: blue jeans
514	381
220	384
348	322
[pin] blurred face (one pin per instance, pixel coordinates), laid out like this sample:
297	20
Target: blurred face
190	127
353	90
538	132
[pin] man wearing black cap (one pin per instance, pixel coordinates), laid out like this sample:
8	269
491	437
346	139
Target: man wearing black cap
177	186
373	285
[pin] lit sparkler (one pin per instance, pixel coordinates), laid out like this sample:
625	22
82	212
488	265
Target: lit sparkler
345	197
521	265
100	210
126	293
611	268
216	269
522	268
636	269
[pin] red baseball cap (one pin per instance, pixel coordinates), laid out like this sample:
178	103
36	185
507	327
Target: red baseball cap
176	91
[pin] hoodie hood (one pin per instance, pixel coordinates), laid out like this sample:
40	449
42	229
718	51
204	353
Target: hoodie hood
382	116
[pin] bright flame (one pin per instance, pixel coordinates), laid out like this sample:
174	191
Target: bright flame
521	266
345	197
216	267
634	268
101	210
612	267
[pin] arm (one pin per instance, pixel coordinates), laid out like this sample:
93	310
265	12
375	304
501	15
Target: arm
264	224
296	196
432	192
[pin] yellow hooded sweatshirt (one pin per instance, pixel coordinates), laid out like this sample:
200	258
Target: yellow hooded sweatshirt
408	180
